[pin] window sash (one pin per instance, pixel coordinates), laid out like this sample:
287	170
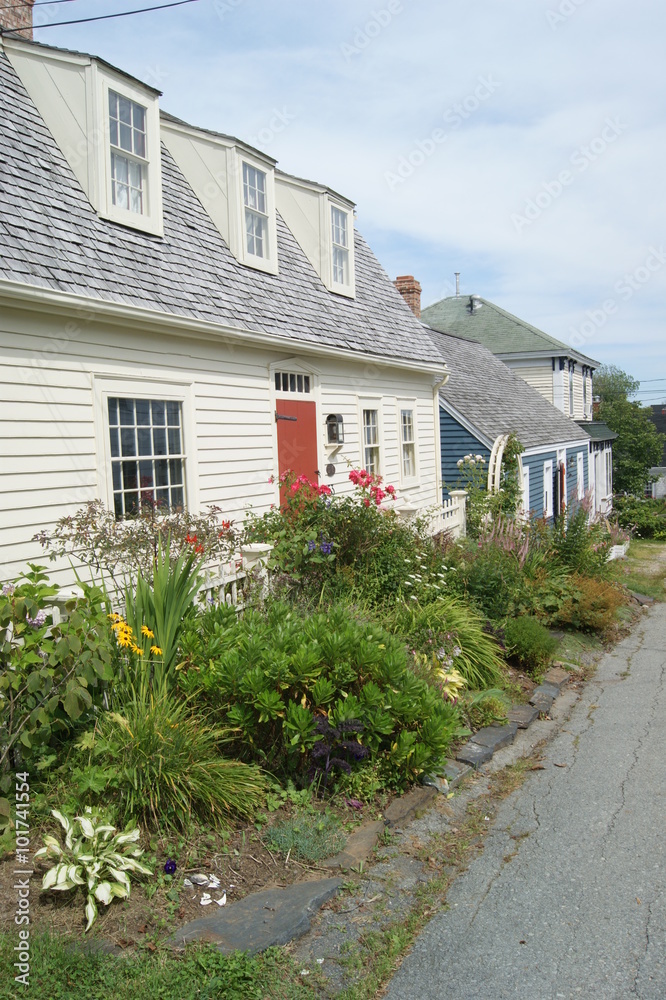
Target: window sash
256	216
408	444
548	488
340	246
128	144
371	447
147	453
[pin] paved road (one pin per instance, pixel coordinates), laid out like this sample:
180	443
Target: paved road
580	911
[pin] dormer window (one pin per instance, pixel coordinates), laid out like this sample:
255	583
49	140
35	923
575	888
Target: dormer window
127	137
256	215
340	241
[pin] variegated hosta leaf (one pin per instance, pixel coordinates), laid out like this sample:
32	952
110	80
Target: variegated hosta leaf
127	837
64	822
74	875
63	876
131	865
119	876
86	826
105	829
91	912
104	892
50	877
120	891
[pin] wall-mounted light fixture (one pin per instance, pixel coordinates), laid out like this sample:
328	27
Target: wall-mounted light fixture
335	432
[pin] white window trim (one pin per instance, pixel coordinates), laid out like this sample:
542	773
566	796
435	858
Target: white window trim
580	475
348	288
372	403
150	220
525	490
408	404
143	387
548	488
269	263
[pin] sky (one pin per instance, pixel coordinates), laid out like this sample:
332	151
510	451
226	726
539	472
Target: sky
520	143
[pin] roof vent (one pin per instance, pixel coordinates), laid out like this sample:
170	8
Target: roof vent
474	303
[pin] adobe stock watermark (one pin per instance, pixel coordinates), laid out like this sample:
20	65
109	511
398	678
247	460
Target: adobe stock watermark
224	7
625	289
562	13
581	158
454	117
22	873
366	33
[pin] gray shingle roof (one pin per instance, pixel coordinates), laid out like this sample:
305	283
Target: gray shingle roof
51	237
495	400
498	330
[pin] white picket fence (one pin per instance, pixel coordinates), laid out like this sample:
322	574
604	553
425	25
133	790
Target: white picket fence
452	517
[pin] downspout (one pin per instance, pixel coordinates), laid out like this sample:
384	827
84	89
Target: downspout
436	386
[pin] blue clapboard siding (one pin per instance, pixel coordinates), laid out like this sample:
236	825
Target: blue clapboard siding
535	465
456	442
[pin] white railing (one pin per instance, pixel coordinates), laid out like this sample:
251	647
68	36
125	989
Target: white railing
452	517
226	583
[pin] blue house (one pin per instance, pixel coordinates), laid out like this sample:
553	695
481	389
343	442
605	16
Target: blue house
482	402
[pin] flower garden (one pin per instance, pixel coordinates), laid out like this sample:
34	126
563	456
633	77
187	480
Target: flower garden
163	730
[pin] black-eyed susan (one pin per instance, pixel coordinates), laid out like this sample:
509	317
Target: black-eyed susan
146	631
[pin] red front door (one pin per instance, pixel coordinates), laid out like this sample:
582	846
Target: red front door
297	437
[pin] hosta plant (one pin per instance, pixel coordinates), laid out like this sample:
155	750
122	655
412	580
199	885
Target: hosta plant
94	856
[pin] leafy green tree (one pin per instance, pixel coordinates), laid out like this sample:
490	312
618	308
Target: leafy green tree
639	445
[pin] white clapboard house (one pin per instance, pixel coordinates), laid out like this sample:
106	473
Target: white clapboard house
182	321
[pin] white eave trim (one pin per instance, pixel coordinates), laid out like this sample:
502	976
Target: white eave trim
39	299
555	446
563	352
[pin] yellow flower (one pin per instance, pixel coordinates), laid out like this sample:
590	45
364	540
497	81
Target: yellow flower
146	631
123	639
156	650
135	649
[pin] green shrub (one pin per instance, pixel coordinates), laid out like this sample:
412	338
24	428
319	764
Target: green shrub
310	835
160	765
578	545
645	516
51	676
454	633
270	674
529	643
486	708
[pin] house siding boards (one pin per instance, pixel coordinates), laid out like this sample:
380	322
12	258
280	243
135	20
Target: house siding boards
535	464
572	472
57	463
539	377
457	442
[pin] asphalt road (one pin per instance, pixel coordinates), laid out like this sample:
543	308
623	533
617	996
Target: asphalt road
568	898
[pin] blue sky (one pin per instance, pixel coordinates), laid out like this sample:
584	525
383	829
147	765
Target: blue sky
520	143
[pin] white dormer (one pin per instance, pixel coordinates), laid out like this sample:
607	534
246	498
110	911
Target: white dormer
235	184
322	222
106	124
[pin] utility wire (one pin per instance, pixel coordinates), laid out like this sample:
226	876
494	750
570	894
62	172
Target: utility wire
100	17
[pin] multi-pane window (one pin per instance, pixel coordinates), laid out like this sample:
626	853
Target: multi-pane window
127	136
580	476
371	441
256	216
340	240
609	474
407	444
292	382
147	454
571	391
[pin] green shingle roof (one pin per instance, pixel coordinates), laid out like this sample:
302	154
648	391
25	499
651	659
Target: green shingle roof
498	330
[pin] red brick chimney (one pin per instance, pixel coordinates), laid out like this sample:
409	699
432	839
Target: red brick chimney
17	16
410	290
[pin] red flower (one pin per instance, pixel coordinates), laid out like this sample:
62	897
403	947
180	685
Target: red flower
366	501
191	539
199	548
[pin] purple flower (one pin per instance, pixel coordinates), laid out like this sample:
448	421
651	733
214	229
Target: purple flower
8	589
38	620
312	546
326	548
170	867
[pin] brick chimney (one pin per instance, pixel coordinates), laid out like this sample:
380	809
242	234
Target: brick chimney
17	16
410	290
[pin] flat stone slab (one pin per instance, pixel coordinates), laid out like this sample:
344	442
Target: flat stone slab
542	702
552	690
641	598
523	715
260	920
557	676
455	771
359	846
405	808
496	737
474	754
